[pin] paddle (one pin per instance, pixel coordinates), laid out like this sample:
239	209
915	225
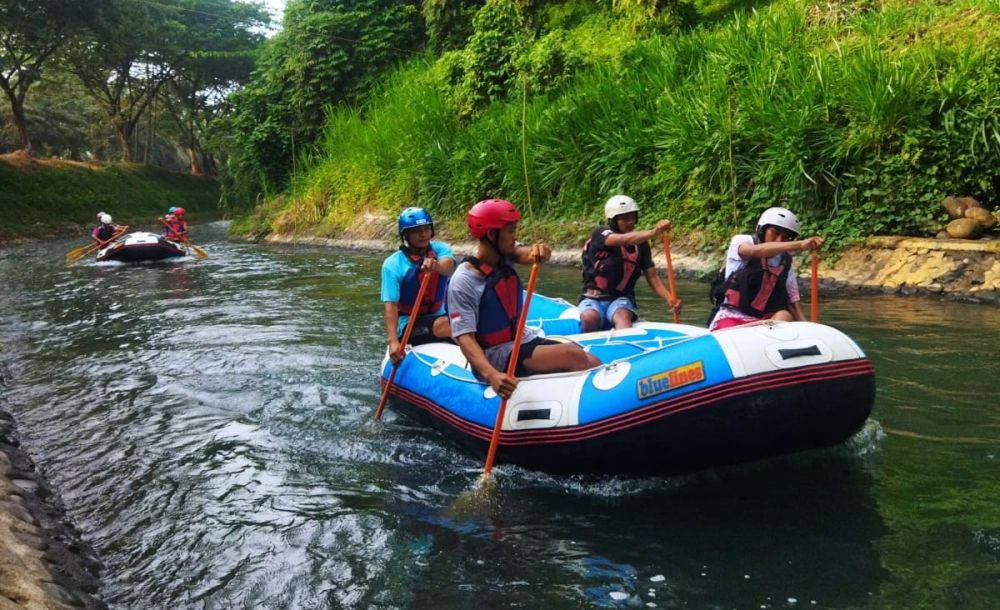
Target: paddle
511	367
198	251
670	276
77	253
813	288
402	344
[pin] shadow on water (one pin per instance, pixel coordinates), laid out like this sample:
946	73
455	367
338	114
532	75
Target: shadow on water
801	529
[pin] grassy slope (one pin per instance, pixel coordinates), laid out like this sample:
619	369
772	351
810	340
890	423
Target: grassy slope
861	115
41	197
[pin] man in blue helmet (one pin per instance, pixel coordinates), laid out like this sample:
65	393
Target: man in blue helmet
402	273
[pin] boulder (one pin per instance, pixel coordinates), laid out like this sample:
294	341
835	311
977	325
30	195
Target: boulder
956	206
982	216
964	228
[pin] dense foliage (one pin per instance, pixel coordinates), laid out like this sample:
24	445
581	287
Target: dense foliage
861	115
328	52
112	78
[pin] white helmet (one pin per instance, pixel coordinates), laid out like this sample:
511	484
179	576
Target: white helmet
618	205
778	217
105	218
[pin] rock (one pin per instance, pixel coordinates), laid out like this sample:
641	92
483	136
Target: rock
964	228
956	206
942	234
983	217
62	595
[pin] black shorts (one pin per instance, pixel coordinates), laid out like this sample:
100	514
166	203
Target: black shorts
423	331
527	349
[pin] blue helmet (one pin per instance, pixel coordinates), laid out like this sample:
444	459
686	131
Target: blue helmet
411	218
171	210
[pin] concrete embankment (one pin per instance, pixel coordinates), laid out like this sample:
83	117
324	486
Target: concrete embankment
956	268
43	564
968	269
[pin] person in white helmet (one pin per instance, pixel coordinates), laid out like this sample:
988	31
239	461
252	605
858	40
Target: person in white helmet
614	258
105	230
759	282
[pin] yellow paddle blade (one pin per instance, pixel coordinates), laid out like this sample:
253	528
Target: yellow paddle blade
198	251
474	501
76	253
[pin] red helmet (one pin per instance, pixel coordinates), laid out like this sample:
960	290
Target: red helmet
178	211
490	214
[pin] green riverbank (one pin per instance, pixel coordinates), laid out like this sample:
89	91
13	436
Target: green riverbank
860	116
42	197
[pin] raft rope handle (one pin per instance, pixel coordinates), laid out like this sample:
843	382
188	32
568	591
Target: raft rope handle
430	361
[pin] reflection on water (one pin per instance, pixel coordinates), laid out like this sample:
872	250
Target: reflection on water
208	425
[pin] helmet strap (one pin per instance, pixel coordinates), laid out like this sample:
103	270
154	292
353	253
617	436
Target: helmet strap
406	247
494	243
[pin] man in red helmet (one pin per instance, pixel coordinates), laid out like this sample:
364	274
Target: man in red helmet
485	297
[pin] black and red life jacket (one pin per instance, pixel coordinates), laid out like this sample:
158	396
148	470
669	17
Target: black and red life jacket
758	289
613	270
437	286
104	232
500	305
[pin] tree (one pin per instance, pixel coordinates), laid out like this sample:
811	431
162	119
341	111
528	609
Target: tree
126	61
220	41
30	35
328	52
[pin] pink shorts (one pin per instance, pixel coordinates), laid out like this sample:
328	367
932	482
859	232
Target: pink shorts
731	322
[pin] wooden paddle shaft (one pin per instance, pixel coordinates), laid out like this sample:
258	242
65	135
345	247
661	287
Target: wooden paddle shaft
402	345
511	368
670	276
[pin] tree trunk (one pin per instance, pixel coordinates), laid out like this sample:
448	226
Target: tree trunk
194	158
124	129
17	112
208	163
125	141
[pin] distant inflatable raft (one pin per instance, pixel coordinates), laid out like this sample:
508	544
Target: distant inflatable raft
141	246
669	398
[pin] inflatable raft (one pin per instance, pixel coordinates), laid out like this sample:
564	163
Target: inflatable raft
141	246
668	399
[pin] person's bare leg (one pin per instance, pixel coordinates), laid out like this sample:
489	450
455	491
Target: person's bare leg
560	357
783	316
590	320
623	318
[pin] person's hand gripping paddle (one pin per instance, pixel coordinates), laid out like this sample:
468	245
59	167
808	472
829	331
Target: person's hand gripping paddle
402	344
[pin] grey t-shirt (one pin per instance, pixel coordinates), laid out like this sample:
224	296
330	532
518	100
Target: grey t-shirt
465	291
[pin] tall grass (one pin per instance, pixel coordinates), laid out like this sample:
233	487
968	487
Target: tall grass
861	120
53	196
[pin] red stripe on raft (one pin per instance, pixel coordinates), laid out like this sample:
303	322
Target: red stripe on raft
700	398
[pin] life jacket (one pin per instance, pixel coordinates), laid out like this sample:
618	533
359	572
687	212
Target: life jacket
175	230
500	305
613	270
758	289
437	286
104	232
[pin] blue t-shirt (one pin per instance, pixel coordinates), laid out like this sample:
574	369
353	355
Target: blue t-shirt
394	269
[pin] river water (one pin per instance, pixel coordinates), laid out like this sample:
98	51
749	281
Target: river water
208	425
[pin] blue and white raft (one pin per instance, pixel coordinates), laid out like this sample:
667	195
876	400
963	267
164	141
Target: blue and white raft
668	399
141	246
